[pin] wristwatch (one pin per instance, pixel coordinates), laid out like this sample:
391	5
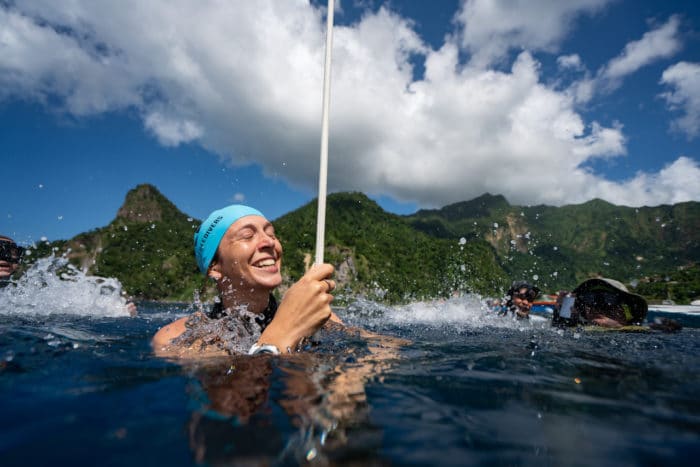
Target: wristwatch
264	348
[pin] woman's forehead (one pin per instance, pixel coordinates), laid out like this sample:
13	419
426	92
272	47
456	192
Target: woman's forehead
248	221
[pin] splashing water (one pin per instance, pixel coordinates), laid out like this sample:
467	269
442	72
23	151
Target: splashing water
465	312
53	286
232	333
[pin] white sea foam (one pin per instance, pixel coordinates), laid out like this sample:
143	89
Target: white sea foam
467	311
53	286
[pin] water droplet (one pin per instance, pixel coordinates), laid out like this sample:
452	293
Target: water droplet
311	455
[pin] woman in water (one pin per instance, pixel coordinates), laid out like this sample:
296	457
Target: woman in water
10	256
236	247
324	394
520	297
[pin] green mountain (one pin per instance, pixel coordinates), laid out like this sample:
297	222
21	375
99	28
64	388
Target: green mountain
148	247
378	254
472	246
557	247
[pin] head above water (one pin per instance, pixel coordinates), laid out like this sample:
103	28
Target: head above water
10	256
529	291
603	297
212	230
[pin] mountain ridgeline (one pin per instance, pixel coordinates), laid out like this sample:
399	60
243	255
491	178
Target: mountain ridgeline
655	249
474	246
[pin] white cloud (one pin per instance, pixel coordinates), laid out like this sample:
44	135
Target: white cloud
170	130
662	42
243	79
675	183
684	78
491	29
572	61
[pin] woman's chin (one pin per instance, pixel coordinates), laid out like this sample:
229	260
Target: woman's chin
270	282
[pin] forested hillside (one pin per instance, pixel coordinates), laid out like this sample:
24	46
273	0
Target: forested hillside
473	246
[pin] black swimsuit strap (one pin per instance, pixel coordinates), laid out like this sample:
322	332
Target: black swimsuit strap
217	312
268	313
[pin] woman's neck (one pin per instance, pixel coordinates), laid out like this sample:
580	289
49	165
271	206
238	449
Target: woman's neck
255	300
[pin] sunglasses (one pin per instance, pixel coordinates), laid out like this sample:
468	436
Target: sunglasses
10	252
530	295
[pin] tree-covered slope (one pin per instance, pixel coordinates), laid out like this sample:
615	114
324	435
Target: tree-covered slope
478	245
378	253
560	246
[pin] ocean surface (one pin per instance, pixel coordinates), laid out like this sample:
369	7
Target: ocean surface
432	383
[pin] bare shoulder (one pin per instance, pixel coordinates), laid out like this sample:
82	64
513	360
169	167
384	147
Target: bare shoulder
168	332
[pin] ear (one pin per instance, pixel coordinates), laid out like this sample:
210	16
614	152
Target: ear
214	271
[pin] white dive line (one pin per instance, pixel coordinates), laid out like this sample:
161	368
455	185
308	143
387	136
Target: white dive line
323	170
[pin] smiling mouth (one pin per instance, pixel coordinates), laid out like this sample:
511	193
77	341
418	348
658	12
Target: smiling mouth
265	263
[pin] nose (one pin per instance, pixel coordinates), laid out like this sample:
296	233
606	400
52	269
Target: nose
266	241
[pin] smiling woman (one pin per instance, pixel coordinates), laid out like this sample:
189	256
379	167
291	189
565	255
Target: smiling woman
236	246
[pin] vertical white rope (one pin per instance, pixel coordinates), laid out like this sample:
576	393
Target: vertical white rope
323	170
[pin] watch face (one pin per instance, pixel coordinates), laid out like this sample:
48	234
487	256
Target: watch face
264	348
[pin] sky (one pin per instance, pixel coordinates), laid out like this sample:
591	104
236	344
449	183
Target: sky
432	103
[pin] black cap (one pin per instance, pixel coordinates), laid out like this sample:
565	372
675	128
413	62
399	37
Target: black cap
517	285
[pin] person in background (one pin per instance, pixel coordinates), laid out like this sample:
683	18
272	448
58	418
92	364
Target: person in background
236	246
520	297
10	256
600	302
495	305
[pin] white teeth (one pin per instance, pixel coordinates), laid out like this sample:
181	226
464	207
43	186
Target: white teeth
266	262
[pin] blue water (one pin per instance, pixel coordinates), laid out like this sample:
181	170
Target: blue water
464	387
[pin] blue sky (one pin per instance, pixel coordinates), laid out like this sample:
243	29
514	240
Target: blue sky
545	102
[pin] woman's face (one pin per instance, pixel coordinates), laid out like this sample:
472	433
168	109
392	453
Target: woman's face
249	256
523	299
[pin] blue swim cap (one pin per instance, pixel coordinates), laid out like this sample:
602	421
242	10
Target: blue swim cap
212	230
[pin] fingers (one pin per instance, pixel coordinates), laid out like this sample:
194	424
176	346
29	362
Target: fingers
320	271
